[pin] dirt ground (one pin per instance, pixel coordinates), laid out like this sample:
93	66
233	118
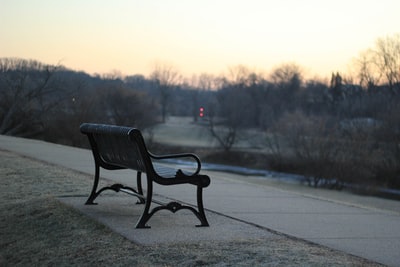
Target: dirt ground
38	230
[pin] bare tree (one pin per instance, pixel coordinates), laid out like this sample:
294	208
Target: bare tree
28	89
113	75
380	64
238	104
238	74
166	78
288	74
125	107
229	115
226	135
387	58
366	72
288	79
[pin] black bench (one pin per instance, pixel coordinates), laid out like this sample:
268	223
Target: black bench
119	147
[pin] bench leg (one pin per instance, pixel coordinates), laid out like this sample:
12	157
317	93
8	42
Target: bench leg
93	194
145	214
201	215
139	187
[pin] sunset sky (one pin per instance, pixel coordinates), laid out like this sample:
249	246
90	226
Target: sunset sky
196	36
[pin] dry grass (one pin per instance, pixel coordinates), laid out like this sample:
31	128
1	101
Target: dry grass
38	230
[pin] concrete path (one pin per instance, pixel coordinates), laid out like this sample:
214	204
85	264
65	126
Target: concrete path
239	206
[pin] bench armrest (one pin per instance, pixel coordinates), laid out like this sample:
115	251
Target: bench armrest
181	155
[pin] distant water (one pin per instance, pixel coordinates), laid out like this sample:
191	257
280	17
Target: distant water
279	176
285	177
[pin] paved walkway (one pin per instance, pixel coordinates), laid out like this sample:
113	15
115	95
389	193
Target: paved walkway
245	205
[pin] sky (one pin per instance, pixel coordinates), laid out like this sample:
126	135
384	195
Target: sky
194	36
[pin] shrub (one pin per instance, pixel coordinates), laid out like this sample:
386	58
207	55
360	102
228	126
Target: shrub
317	148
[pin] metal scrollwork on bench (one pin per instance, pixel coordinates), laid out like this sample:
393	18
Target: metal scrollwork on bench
174	206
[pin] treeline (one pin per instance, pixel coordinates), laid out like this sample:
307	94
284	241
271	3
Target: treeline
346	130
334	134
49	102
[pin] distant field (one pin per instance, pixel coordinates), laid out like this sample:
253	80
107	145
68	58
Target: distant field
182	131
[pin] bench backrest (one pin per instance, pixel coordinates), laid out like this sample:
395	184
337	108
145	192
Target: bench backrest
117	146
